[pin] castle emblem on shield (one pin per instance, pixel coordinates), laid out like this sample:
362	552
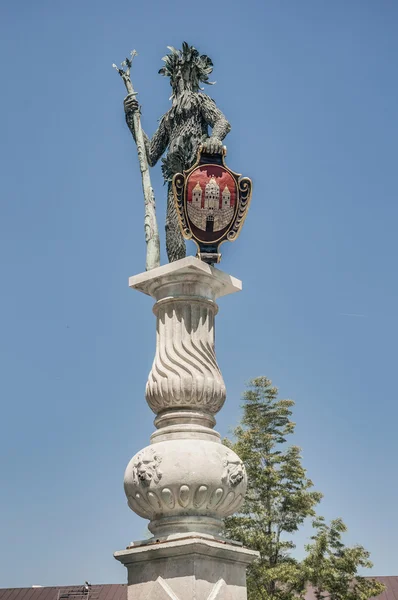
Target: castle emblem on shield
212	202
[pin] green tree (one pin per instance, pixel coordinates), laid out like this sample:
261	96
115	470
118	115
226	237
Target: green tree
279	498
331	567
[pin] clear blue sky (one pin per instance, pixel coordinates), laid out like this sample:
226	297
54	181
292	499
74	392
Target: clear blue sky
311	90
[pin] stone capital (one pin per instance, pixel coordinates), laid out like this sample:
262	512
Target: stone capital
188	277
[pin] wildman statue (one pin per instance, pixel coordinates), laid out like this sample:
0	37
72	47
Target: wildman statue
182	129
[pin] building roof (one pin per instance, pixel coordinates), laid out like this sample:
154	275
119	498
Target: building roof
118	591
390	593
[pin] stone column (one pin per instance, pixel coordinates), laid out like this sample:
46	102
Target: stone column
185	481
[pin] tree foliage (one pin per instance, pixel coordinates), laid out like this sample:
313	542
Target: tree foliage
332	567
280	497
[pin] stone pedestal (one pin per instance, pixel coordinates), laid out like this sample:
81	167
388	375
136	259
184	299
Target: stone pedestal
185	481
187	569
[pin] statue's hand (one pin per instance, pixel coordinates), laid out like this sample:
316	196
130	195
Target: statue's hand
130	104
213	145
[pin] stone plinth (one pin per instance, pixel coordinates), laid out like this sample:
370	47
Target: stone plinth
187	569
185	482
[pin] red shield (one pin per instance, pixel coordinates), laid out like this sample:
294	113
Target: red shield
211	201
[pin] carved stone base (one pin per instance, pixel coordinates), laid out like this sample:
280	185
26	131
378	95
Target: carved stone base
191	568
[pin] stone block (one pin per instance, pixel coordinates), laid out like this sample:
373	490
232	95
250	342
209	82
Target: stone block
191	568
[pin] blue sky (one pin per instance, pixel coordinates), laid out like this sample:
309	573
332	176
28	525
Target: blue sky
311	91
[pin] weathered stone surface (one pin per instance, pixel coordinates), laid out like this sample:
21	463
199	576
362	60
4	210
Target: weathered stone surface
174	481
202	280
187	569
185	373
185	481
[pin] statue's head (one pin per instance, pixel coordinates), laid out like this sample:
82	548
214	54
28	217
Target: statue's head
186	69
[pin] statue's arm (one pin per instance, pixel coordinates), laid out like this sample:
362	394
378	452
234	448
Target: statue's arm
159	142
215	118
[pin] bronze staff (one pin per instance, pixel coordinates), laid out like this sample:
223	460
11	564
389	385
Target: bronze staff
150	223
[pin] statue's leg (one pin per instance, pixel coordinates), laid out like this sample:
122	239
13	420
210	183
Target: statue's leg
175	244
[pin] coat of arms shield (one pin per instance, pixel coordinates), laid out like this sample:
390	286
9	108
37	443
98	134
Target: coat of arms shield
212	202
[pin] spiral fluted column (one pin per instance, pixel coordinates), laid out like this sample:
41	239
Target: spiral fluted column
185	372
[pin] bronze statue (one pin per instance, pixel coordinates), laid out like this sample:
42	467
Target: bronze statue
180	133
